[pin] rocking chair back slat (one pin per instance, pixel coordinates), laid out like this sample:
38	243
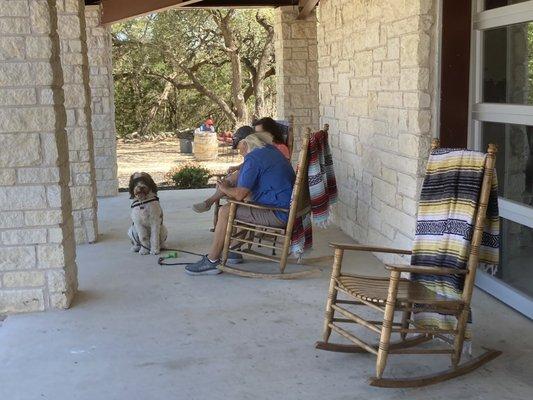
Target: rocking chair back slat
473	259
296	197
299	182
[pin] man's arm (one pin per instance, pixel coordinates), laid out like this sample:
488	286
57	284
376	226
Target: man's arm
234	168
237	193
248	176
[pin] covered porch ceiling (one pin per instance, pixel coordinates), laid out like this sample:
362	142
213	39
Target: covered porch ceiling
119	10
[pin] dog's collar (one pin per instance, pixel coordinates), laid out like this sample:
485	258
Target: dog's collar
138	203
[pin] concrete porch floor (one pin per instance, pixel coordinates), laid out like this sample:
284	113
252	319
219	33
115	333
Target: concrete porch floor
139	331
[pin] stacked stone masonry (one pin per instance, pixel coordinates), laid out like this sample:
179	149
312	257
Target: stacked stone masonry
74	60
375	63
103	109
297	70
37	248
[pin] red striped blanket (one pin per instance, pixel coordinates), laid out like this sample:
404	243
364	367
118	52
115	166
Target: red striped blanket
321	178
322	190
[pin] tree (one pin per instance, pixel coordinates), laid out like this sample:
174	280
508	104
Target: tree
178	67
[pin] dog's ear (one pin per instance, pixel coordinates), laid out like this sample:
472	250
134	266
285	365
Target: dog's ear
131	186
149	182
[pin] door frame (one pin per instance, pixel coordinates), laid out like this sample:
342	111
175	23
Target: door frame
501	113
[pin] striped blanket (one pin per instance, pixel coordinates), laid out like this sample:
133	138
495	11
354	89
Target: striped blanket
322	182
445	224
320	193
302	235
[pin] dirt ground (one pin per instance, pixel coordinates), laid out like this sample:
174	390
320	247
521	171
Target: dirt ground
157	158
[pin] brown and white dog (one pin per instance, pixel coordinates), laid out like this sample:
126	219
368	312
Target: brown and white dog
147	233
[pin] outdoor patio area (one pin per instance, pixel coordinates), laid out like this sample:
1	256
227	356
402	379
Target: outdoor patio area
140	331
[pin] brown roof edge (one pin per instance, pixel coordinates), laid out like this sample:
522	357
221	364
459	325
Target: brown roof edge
119	10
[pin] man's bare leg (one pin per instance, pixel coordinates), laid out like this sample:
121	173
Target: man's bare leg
220	234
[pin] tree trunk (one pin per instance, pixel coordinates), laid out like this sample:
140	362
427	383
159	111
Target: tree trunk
231	48
155	108
262	68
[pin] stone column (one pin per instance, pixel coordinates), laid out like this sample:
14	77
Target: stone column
296	70
377	76
103	107
74	60
37	249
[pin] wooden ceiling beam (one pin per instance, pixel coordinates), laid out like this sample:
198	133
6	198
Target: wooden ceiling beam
120	10
306	7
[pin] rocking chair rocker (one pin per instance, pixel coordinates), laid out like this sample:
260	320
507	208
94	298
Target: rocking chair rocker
244	234
392	294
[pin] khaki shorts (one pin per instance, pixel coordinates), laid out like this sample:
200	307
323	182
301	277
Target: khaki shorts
258	216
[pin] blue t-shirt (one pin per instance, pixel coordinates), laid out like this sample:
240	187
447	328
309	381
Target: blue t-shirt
270	177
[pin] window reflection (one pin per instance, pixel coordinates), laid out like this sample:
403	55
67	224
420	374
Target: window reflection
508	64
516	256
514	160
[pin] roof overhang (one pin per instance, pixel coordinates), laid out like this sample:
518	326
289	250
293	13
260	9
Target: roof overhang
119	10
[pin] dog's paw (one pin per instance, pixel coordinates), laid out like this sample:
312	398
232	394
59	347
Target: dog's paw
135	249
155	252
144	251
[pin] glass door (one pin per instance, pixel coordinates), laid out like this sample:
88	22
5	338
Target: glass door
501	111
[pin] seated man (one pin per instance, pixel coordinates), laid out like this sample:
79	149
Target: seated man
268	178
231	177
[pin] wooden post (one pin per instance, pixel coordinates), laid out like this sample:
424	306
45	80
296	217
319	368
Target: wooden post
473	258
406	316
290	135
388	319
332	293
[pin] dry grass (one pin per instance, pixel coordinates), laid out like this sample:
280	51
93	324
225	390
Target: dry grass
157	158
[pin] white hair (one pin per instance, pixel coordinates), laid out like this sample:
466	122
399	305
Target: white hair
265	136
255	141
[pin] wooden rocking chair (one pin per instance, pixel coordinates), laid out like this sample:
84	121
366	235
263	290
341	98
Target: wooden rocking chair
288	133
392	294
241	234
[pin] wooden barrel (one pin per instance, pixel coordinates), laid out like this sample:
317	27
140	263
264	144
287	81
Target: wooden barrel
205	146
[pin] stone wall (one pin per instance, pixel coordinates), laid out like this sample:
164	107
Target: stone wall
74	62
103	108
37	248
375	61
296	70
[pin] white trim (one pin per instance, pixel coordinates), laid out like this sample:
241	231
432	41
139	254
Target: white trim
502	16
506	293
503	113
517	212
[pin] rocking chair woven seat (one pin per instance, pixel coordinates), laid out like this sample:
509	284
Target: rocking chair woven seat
375	290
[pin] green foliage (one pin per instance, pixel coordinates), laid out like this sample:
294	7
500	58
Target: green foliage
148	53
190	176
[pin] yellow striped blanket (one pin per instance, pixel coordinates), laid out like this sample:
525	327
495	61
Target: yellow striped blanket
445	225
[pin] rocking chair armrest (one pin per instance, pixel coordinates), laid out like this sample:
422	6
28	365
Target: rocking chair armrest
374	249
258	206
423	269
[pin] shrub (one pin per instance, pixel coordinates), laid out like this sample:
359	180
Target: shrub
190	176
